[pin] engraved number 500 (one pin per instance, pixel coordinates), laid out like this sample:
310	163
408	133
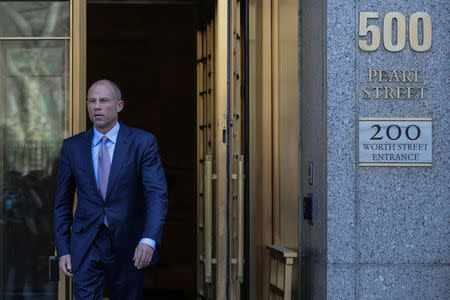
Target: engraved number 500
388	41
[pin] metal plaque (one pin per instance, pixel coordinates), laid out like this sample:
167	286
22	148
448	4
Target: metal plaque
395	142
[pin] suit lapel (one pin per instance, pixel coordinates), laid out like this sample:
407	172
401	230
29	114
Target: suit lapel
90	164
120	151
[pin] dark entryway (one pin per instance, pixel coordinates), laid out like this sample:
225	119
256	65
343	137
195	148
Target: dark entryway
150	52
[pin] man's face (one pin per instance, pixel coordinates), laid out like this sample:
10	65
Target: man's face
103	106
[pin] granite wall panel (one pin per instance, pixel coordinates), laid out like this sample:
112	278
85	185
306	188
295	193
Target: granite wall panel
341	282
404	282
403	212
403	216
388	229
313	123
341	82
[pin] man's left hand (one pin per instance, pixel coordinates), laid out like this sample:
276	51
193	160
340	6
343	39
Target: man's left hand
142	255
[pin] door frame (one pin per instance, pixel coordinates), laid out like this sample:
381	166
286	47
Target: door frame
266	206
274	136
77	114
78	64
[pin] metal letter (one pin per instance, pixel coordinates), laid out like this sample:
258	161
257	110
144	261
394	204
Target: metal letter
414	32
401	32
364	30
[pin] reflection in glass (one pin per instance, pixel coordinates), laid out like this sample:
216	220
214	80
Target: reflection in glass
34	19
34	120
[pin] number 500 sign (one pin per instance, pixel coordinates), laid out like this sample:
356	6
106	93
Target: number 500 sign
416	19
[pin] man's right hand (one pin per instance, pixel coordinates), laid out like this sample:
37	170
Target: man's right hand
65	265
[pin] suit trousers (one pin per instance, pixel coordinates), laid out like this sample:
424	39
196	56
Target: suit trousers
100	260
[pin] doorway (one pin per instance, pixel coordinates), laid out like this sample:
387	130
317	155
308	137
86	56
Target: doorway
150	52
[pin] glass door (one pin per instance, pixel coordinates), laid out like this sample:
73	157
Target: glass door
38	109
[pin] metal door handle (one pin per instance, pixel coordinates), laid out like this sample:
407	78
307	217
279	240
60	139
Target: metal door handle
240	203
207	196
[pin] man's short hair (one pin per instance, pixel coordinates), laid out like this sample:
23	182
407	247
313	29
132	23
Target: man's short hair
112	84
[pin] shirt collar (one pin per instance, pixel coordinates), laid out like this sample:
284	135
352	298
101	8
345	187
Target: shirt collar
111	135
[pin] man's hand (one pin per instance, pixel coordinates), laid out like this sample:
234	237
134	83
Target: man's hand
65	265
142	255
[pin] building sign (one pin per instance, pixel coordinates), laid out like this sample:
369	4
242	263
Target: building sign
386	84
394	85
420	32
395	142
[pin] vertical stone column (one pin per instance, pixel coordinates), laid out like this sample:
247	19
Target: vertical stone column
387	227
342	243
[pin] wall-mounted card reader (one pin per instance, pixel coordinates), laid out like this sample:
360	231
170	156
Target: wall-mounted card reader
308	208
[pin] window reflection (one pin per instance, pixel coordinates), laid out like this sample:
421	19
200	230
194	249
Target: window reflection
34	18
34	120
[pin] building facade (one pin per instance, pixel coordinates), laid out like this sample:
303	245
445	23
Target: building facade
305	143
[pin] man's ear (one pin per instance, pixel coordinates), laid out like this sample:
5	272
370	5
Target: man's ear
120	104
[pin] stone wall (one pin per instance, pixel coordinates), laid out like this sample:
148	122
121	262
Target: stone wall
387	227
313	238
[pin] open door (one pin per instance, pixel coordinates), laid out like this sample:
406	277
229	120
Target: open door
220	168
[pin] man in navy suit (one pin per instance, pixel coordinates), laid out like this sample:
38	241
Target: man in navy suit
121	201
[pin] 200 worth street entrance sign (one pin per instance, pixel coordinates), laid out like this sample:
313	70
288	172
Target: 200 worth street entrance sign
395	142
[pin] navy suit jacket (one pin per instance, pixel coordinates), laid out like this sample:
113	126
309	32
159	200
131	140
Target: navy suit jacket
136	197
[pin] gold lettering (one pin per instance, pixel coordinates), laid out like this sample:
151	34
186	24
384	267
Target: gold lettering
422	92
372	74
382	76
411	92
416	77
366	93
377	92
388	94
394	75
406	76
400	92
394	92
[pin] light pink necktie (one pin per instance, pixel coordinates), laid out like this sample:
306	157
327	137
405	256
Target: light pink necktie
103	170
103	167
